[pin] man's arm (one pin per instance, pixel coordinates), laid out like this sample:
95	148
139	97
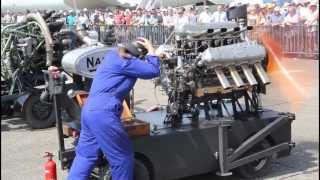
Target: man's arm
148	69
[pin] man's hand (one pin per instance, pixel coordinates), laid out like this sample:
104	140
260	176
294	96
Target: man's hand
162	56
53	71
147	44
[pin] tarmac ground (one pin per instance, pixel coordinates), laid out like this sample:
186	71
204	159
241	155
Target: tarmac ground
22	148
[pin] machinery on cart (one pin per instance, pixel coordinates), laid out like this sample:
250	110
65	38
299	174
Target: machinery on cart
214	120
28	47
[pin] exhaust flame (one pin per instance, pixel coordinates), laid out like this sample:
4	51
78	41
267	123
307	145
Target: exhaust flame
280	74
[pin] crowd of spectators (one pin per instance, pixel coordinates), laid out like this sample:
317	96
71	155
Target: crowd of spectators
263	14
306	13
293	25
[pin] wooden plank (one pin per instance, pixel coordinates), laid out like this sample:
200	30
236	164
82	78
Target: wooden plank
136	128
82	96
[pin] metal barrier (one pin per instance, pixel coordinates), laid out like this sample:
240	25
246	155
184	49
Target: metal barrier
294	40
301	41
123	34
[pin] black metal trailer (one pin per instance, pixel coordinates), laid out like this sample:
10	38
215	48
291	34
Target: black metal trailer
245	144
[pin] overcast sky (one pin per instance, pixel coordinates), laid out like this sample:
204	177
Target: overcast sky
30	2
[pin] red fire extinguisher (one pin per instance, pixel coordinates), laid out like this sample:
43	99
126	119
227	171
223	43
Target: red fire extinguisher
50	168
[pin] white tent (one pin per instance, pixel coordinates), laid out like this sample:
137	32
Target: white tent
149	4
18	5
251	2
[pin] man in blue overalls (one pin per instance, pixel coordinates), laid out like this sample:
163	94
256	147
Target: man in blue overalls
101	127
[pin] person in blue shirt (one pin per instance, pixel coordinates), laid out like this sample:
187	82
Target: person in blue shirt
101	127
71	20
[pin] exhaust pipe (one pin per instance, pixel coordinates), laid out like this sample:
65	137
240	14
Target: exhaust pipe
222	78
262	74
230	31
248	73
235	76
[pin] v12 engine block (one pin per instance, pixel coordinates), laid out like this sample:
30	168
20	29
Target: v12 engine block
208	65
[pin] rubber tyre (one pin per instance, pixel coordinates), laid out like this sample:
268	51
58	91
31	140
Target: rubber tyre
72	108
38	114
141	172
6	110
258	168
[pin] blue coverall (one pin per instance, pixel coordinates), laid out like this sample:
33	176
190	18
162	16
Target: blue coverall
101	128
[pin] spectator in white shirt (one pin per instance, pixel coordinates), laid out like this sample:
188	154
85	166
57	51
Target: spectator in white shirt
252	16
292	18
276	18
166	18
284	9
220	15
109	19
83	20
181	17
154	18
146	19
137	18
8	18
205	16
192	16
20	17
312	17
170	19
303	10
93	17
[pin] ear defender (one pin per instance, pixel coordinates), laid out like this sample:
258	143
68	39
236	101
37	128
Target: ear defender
136	49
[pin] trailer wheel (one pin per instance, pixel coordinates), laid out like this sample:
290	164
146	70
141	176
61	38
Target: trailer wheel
259	167
38	114
141	172
6	109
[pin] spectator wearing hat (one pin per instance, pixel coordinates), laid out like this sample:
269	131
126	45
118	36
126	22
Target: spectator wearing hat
252	16
269	11
205	16
312	18
276	17
302	9
312	23
262	15
220	15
